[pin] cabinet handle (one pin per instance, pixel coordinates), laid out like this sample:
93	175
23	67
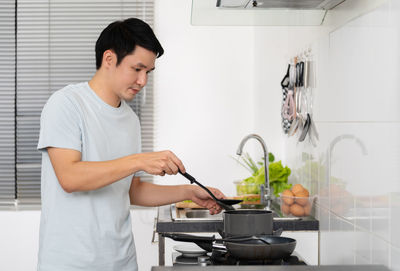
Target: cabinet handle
153	238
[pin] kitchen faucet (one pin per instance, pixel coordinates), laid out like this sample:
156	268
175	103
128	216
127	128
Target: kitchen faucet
332	146
265	193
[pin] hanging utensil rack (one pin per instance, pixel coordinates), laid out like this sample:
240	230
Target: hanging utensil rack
298	86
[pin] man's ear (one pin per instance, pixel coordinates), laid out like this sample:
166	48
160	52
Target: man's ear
109	59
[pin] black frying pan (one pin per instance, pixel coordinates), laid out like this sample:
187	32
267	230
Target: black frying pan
268	248
264	247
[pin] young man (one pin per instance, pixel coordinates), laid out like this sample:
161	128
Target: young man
91	159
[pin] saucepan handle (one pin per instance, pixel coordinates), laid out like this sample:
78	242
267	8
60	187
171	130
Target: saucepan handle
204	242
278	232
188	238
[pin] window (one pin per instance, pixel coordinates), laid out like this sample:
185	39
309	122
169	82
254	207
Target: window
52	45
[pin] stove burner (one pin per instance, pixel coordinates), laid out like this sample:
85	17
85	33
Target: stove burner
220	257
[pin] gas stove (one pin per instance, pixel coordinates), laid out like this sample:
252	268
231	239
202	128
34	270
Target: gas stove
221	257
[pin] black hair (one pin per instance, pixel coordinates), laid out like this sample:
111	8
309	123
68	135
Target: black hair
123	36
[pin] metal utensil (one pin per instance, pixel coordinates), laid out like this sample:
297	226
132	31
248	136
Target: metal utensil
297	124
224	203
305	129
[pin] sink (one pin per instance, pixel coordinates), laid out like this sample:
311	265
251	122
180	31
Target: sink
203	214
193	214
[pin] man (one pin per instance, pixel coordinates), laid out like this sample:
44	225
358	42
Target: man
92	161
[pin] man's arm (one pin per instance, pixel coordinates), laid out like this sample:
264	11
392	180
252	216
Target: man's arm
148	194
76	175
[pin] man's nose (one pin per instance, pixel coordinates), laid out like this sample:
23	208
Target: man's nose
142	79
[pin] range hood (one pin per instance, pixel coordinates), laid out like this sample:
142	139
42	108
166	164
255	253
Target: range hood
262	12
329	13
279	4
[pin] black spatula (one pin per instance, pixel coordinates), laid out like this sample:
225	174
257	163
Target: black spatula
224	203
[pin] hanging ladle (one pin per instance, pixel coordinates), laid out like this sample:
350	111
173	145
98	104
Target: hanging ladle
224	203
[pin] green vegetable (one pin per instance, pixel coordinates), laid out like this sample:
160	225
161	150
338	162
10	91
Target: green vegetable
248	163
271	157
278	176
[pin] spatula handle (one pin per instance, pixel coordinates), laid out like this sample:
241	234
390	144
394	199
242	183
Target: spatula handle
188	176
193	180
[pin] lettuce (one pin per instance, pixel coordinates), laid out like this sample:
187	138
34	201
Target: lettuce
278	177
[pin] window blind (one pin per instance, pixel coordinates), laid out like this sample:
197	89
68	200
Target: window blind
7	97
55	47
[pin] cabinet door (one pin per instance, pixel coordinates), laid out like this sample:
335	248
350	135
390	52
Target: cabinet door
307	245
142	227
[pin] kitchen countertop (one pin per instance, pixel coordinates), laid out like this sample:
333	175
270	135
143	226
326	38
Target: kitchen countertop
166	224
275	268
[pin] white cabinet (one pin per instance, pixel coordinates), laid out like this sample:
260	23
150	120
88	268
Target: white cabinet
19	237
307	245
142	227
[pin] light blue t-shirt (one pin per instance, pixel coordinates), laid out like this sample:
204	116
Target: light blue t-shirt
90	230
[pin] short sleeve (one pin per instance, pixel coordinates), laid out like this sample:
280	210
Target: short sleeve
60	124
139	144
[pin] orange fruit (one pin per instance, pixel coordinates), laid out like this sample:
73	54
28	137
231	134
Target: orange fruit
287	197
297	210
297	188
302	197
307	209
285	209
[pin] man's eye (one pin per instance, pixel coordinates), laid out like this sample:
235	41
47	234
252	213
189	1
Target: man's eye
137	70
148	72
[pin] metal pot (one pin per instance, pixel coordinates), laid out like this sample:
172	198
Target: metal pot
248	222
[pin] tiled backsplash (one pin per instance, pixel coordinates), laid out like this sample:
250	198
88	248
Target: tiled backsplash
355	169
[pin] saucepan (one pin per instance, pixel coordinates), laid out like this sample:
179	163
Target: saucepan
263	247
247	222
240	222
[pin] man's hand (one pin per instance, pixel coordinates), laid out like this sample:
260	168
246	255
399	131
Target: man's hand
202	198
160	163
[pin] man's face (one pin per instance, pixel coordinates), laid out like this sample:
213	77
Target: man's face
130	76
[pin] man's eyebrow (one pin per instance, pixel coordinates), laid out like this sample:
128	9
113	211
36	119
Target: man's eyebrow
141	65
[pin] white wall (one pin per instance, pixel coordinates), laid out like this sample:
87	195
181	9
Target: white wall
357	95
362	59
273	46
204	94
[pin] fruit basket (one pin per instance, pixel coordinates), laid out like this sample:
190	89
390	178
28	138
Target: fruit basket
296	206
296	202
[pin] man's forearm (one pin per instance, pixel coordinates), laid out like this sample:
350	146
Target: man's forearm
148	194
77	175
85	176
